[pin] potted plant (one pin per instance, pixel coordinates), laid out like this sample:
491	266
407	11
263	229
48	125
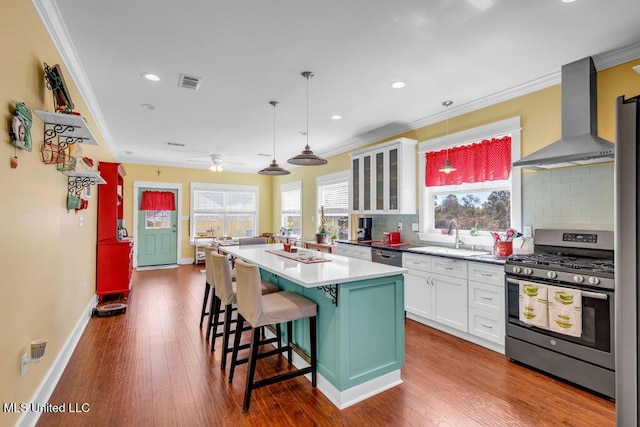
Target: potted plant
322	236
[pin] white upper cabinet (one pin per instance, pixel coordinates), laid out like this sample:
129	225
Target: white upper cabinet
383	178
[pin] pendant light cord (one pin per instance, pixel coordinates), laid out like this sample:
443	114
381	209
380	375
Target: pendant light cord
308	77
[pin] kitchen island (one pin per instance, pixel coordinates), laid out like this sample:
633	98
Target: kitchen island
360	316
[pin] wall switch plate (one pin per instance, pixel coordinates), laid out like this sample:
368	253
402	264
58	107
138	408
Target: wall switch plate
81	221
526	230
415	226
399	226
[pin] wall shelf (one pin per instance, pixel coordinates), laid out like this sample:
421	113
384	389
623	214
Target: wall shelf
77	181
67	128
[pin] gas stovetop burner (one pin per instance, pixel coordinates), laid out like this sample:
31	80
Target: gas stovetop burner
563	261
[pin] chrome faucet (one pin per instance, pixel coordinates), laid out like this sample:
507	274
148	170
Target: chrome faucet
458	242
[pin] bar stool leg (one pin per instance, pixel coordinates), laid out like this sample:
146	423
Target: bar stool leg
289	340
236	346
205	299
216	321
212	308
225	335
253	356
314	350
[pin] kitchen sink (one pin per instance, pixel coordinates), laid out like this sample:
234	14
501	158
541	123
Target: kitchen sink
440	250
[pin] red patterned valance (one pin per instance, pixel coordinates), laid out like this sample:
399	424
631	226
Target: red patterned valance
487	160
158	201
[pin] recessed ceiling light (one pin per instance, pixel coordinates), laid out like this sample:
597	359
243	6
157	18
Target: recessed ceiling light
336	117
148	107
150	76
568	1
398	84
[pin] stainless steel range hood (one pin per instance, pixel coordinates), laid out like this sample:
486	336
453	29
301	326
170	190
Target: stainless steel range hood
580	143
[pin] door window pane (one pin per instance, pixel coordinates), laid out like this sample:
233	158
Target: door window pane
157	219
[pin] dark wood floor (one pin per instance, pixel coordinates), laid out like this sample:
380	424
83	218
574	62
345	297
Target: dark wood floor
152	367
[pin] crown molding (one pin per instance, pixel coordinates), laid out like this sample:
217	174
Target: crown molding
54	24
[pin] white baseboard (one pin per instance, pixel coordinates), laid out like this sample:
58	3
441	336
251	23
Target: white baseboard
50	380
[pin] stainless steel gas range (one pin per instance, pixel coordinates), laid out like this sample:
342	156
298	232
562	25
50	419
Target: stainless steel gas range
560	307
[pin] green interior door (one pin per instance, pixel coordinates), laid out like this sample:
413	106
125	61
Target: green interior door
157	235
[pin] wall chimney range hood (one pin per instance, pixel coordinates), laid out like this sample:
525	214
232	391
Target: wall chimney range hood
580	143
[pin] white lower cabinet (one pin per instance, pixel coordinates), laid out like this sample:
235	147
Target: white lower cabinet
436	297
463	298
417	296
486	302
354	251
450	301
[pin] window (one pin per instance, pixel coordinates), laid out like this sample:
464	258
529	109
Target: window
229	210
291	207
333	194
157	219
482	206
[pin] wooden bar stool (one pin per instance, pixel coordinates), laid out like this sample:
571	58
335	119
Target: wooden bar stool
260	310
226	292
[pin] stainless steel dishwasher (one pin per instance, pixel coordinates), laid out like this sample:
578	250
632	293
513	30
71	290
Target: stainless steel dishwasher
386	257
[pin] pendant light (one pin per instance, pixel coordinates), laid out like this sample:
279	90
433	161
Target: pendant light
273	168
307	158
447	168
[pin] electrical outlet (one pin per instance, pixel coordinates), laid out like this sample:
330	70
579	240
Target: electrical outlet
415	226
84	287
399	226
526	231
81	221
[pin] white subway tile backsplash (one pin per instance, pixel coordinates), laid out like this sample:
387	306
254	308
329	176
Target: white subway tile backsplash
579	198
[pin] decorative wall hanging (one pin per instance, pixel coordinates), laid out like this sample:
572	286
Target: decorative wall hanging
21	127
55	81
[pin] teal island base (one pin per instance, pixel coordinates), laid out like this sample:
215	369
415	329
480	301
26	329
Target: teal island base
360	335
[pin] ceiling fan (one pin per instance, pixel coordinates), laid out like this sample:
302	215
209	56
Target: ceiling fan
218	164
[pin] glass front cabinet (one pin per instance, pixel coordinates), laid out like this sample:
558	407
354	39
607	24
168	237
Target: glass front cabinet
384	178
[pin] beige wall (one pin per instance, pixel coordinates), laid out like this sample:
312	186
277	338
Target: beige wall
185	177
47	257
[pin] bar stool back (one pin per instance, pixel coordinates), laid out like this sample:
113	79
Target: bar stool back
260	310
226	291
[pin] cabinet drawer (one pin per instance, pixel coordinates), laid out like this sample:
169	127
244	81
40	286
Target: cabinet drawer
361	253
486	273
486	325
450	267
416	262
486	297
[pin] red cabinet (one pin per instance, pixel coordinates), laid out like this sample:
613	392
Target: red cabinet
110	200
115	263
114	257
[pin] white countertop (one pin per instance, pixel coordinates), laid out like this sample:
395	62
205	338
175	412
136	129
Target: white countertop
339	269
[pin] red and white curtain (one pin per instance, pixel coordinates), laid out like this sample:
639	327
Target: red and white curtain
487	160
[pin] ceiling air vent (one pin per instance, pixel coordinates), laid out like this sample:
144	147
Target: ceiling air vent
174	144
189	82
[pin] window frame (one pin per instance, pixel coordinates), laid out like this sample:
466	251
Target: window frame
334	178
291	186
508	126
203	186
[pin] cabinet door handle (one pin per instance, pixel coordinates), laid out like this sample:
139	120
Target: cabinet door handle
448	268
486	274
487	326
488	298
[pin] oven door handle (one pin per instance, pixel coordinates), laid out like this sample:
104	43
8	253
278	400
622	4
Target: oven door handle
594	295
